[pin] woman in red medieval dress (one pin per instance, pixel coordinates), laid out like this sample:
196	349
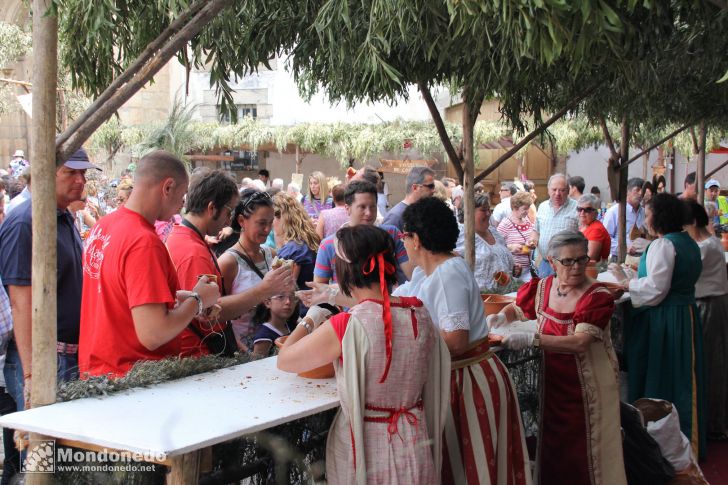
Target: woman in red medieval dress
580	441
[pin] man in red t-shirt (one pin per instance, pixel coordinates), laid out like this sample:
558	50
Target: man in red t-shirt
128	310
210	205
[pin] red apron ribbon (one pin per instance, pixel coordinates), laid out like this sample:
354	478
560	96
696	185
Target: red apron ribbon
394	415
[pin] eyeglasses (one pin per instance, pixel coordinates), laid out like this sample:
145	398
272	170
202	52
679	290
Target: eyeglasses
568	262
429	186
403	235
585	209
290	297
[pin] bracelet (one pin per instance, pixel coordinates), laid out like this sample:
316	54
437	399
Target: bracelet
200	307
303	323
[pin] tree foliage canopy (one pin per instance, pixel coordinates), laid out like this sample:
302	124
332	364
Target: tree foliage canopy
655	62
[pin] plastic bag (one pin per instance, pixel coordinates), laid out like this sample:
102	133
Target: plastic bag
643	460
663	424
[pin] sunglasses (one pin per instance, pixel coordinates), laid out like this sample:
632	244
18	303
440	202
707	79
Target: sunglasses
568	262
429	186
256	197
585	209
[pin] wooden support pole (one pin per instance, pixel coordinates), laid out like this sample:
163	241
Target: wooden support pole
137	79
43	173
673	160
184	469
715	170
468	180
700	172
623	176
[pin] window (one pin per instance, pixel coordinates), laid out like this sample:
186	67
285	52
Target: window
242	161
243	110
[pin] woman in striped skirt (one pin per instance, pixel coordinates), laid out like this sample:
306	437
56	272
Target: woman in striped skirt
484	440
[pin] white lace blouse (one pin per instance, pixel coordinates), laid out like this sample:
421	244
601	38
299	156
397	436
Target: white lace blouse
489	258
451	295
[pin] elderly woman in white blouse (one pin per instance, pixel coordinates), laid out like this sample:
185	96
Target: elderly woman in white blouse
491	253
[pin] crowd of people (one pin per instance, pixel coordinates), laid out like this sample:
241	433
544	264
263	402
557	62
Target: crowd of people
161	262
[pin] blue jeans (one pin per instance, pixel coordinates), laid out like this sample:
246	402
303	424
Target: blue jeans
13	372
545	269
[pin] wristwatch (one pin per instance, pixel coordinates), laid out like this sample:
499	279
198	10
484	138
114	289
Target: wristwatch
537	340
305	324
200	306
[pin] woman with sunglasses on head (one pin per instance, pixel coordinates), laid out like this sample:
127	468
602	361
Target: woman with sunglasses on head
317	198
484	440
587	208
579	428
516	229
391	369
246	266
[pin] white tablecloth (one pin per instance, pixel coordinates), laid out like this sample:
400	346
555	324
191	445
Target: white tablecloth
184	415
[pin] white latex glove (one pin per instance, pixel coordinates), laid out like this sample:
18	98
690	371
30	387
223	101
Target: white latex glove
321	293
495	320
317	315
518	340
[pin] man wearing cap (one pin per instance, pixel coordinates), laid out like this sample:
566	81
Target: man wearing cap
18	163
712	194
15	271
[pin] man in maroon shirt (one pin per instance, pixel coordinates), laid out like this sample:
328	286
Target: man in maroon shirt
211	201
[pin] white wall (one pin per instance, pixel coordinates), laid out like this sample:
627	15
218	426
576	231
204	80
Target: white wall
592	165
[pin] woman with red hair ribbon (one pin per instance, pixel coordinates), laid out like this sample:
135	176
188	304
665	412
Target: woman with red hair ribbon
392	369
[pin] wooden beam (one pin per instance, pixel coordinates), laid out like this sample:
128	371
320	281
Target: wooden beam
138	64
90	120
440	125
715	170
44	280
468	201
623	174
502	159
657	144
700	172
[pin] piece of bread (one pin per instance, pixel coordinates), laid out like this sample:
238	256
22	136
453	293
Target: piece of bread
280	262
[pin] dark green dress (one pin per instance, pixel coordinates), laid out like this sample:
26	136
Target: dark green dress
663	344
